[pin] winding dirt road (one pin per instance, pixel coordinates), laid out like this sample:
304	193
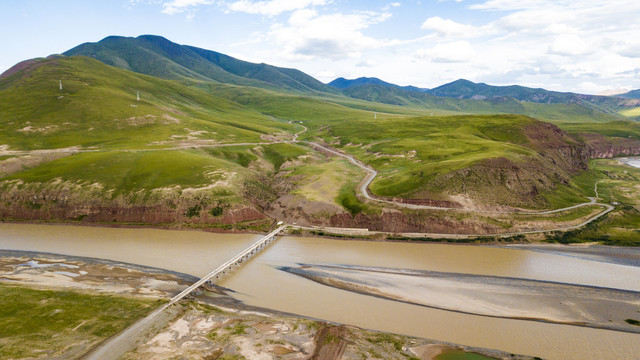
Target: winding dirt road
363	187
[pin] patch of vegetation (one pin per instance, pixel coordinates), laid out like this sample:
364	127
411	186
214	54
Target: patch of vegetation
240	155
131	171
238	329
193	211
347	199
380	338
632	322
278	154
34	205
216	211
617	183
36	322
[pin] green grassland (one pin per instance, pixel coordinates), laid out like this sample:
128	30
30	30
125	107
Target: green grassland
634	112
47	323
617	183
98	107
133	171
421	150
613	129
409	153
556	112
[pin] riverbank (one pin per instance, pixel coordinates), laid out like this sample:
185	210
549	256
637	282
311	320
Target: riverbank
314	232
633	161
214	327
213	332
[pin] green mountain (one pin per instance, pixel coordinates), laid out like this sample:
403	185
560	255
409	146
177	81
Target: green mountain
633	94
159	57
342	83
555	112
493	99
465	89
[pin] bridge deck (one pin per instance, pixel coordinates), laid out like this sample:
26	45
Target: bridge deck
227	265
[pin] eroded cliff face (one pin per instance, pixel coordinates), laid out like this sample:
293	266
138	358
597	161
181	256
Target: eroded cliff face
599	147
65	201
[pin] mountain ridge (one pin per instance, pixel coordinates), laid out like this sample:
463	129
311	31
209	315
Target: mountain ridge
156	56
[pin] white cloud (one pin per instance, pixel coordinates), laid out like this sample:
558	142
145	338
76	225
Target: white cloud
272	7
309	35
365	63
458	51
391	5
178	6
557	42
570	45
447	27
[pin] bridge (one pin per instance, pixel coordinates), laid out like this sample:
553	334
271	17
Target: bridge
236	260
115	347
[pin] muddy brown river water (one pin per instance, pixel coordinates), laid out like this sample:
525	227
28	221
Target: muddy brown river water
259	282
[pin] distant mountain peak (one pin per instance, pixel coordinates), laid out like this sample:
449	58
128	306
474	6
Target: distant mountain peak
157	56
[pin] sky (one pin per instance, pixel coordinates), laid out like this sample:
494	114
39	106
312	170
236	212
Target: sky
585	46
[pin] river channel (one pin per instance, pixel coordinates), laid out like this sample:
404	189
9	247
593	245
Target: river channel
260	282
634	161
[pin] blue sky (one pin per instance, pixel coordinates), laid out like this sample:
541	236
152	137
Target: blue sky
585	46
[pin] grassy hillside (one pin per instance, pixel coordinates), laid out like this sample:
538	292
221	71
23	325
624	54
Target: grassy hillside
98	106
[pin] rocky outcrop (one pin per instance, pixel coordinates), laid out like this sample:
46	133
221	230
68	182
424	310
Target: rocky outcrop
600	147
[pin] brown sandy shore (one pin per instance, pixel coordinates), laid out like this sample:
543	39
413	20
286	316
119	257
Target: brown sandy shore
214	325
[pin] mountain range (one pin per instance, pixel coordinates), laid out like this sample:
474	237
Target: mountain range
159	57
465	89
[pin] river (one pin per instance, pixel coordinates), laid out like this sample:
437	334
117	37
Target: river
259	282
634	161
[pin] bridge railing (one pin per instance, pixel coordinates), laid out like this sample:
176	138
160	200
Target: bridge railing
227	264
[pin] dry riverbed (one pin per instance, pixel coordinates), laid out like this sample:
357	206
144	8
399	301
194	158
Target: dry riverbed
209	332
50	271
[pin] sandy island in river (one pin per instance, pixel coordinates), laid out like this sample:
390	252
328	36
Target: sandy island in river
486	295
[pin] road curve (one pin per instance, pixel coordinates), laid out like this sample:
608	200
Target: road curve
371	173
362	187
